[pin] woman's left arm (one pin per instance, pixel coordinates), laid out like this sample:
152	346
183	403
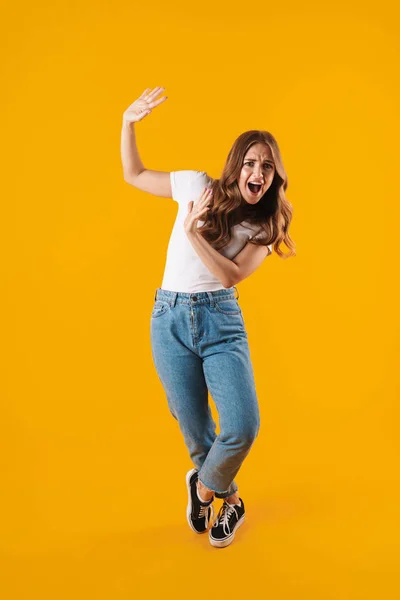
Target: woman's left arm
223	268
229	272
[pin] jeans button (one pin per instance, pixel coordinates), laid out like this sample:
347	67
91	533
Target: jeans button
194	298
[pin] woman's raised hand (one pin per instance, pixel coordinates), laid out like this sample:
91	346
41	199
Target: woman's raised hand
142	107
195	211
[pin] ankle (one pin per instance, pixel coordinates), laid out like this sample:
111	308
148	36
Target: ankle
203	492
234	499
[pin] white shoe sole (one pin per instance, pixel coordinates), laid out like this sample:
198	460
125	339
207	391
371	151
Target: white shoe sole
189	506
228	540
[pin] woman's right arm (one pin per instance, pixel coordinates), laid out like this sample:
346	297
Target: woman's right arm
154	182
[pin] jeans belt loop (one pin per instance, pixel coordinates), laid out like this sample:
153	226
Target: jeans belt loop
173	299
211	298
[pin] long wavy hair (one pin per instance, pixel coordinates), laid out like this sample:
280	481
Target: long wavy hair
273	212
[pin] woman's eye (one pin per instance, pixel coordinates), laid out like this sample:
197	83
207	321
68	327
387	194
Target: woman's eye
251	163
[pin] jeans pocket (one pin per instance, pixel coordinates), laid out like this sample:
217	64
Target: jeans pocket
160	307
228	307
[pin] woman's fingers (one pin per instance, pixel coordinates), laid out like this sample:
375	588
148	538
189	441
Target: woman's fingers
157	102
202	210
206	193
144	93
205	199
149	97
148	92
202	205
143	106
153	94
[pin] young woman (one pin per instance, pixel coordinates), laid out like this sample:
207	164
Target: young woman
223	231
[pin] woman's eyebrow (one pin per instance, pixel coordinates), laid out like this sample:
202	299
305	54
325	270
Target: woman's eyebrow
252	158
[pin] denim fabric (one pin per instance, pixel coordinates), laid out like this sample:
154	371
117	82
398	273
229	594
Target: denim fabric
199	345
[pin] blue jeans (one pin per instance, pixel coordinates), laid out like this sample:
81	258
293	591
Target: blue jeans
199	345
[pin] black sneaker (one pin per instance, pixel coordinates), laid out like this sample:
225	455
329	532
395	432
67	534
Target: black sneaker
199	514
229	519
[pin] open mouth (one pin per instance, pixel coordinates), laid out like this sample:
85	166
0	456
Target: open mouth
254	188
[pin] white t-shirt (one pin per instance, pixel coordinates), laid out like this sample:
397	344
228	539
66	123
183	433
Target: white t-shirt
184	269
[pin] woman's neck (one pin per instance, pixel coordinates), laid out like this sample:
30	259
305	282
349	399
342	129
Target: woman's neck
246	211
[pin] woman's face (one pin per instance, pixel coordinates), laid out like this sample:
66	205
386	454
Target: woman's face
258	167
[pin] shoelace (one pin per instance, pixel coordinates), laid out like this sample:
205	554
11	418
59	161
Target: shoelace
203	512
226	511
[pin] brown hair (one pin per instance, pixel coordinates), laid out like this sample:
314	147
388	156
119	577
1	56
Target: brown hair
273	212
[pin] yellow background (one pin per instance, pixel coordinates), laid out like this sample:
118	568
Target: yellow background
92	463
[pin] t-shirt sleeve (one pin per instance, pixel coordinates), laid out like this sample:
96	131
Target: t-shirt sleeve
260	236
188	185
